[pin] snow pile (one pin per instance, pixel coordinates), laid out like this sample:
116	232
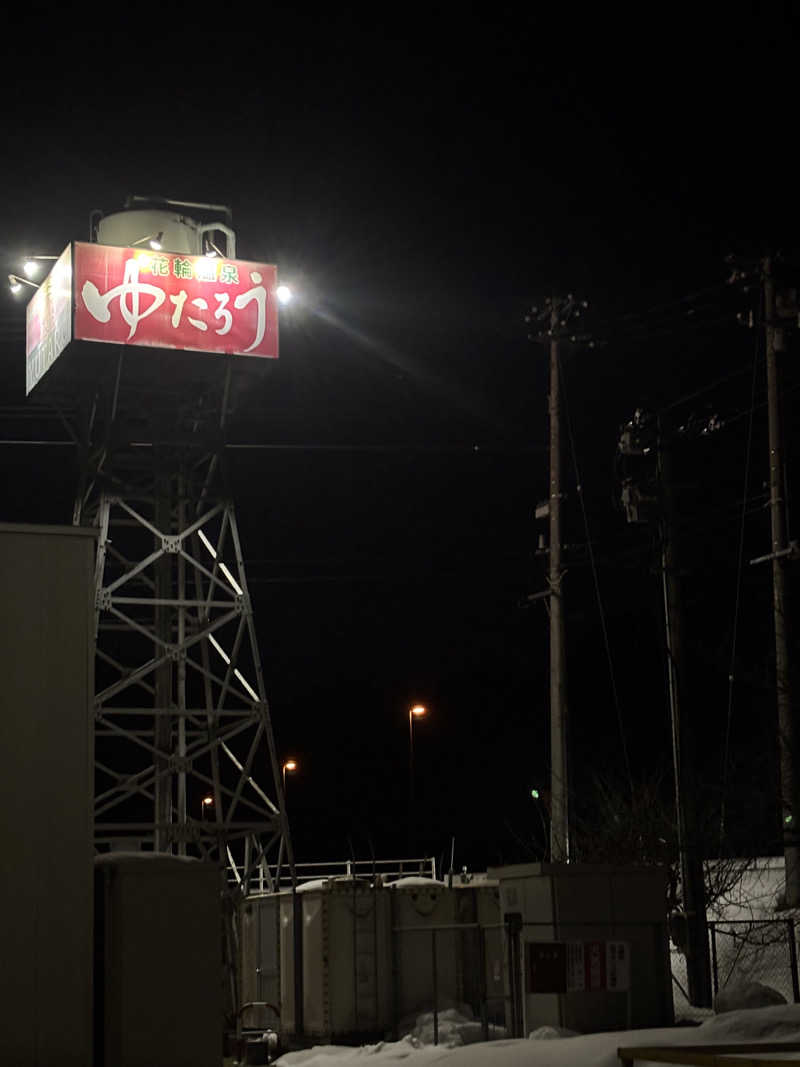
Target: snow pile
456	1028
779	1023
366	1056
548	1033
746	995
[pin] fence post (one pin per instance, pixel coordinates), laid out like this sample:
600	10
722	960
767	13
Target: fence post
435	990
712	927
793	960
513	928
483	990
395	944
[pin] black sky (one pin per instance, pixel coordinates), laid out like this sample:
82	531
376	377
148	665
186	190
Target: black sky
422	177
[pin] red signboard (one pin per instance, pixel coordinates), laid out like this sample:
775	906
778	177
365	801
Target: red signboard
169	300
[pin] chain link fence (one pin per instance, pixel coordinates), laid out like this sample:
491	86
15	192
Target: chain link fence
743	950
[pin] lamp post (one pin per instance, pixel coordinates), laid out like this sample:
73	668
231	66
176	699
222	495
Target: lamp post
153	240
15	283
537	798
206	802
290	765
416	711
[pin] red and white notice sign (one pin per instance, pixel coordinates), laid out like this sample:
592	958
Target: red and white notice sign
596	966
169	300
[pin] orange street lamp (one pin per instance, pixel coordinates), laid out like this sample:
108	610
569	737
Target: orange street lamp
206	802
416	711
290	765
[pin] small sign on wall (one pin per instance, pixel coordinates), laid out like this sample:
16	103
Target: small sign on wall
577	966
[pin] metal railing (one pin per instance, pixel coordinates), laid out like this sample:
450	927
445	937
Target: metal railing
385	870
457	974
482	967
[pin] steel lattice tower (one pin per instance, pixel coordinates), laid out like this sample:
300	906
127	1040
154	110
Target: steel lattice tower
180	710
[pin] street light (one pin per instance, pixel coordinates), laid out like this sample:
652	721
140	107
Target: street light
153	239
15	283
31	266
291	766
416	711
206	802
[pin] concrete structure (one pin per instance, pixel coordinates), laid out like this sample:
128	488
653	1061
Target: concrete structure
46	733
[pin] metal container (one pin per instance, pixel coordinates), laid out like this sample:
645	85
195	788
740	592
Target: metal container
447	948
346	954
46	736
593	905
260	961
158	961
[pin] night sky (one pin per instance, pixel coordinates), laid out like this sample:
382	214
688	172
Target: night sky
421	179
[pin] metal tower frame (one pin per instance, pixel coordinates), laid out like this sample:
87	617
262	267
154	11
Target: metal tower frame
181	713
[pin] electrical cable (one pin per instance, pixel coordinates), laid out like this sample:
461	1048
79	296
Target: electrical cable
737	600
604	627
665	305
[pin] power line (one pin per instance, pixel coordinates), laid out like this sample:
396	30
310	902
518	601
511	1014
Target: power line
612	675
737	602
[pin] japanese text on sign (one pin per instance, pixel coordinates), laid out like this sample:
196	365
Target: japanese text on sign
175	301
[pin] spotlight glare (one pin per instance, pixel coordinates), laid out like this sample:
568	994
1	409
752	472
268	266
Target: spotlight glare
31	267
284	294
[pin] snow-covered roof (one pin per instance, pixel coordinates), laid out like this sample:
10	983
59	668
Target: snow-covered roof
414	880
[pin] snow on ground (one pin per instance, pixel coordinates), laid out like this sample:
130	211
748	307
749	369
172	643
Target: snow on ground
548	1048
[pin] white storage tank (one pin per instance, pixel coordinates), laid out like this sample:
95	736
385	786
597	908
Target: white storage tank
346	955
461	925
167	229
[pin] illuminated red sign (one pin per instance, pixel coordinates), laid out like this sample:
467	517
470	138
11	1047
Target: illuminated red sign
169	300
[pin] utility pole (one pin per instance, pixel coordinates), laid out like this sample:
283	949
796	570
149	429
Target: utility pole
648	496
691	861
554	319
780	552
559	782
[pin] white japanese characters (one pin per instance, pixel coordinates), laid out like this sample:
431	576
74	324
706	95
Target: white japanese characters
138	298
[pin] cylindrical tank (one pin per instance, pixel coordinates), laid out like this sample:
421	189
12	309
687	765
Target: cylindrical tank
175	232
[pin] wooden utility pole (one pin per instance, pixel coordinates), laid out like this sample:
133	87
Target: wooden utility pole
787	731
559	782
554	321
